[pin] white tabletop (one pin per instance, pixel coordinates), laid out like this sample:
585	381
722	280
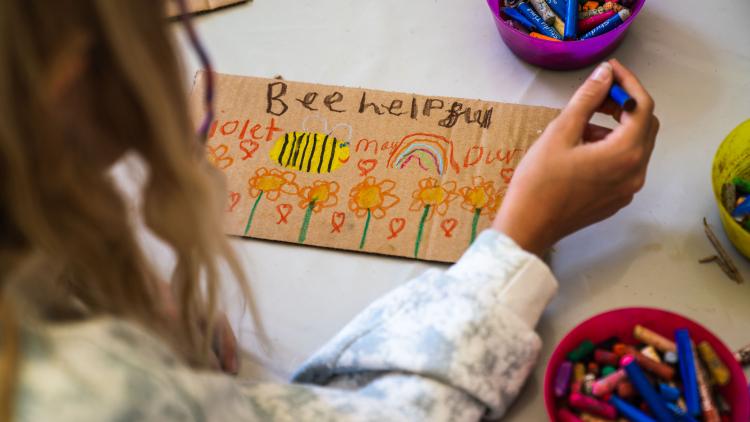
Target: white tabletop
693	56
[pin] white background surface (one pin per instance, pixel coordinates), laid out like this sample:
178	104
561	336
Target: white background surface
693	56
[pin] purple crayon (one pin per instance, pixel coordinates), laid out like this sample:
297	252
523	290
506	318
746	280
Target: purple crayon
562	380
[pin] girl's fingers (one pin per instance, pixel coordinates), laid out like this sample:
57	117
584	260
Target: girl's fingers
594	132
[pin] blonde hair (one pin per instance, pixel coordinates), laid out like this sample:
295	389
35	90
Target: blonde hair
64	228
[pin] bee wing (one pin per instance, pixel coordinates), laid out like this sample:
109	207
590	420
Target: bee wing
348	127
317	117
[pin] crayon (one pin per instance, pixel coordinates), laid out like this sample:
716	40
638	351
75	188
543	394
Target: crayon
586	25
571	21
608	370
625	389
708	408
630	412
660	369
582	351
627	103
719	372
579	371
593	368
562	380
559	25
651	338
605	357
607	384
543	10
543	37
743	185
587	417
687	371
541	26
559	7
670	357
642	385
516	16
592	405
669	393
650	352
607	25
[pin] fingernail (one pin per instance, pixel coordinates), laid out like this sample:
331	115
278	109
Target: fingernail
602	72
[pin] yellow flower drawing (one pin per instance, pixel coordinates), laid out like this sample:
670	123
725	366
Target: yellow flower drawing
431	197
272	183
321	194
481	198
314	198
372	199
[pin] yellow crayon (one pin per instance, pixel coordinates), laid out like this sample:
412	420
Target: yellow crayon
719	371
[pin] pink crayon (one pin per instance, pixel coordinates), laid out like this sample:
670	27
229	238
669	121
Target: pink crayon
607	384
592	405
565	415
585	25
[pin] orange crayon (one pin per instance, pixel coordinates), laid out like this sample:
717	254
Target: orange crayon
543	37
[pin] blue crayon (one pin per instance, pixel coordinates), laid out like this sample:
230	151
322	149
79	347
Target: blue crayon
631	412
518	17
560	7
669	393
742	210
607	25
687	372
622	98
571	20
643	386
538	22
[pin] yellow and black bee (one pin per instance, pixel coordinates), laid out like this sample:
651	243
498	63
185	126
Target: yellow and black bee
310	152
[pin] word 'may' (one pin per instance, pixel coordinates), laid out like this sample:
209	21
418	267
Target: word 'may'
277	103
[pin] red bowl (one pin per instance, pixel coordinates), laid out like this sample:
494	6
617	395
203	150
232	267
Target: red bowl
620	323
561	55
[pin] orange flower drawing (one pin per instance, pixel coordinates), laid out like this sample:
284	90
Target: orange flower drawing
372	199
481	198
314	198
320	195
431	197
272	183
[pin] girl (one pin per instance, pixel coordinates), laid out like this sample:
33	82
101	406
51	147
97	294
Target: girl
88	330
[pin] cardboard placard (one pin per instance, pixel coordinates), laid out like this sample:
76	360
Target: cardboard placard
360	169
195	6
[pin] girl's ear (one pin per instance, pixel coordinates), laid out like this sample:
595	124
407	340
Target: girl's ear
67	68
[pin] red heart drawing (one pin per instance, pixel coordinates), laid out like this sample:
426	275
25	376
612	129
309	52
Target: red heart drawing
337	221
249	151
507	174
396	226
448	225
366	166
284	210
234	199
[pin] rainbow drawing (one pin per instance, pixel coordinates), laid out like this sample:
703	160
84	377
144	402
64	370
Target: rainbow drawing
428	151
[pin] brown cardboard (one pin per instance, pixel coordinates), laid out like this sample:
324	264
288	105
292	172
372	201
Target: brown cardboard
395	137
195	6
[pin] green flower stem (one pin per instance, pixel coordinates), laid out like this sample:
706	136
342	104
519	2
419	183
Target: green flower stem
364	232
421	229
306	222
252	213
477	213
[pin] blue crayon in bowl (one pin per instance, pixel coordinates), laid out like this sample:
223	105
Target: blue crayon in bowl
560	7
541	26
519	18
688	371
571	20
607	25
631	412
622	98
643	386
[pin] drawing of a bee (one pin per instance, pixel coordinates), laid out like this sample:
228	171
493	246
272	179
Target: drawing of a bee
311	152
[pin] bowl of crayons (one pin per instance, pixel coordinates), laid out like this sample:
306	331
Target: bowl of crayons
731	183
644	364
563	34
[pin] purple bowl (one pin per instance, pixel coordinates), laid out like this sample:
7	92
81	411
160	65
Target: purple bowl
564	55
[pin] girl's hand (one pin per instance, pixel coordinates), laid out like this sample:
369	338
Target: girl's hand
579	173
